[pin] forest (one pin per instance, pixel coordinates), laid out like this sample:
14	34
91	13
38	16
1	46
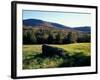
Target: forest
53	36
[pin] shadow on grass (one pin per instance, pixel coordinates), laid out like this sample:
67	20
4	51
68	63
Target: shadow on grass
40	61
76	60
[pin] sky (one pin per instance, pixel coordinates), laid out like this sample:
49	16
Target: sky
71	19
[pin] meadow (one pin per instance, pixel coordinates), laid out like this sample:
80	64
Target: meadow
77	54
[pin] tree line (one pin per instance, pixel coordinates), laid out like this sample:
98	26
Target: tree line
42	36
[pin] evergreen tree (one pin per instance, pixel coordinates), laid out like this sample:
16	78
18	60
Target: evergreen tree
24	37
71	38
29	37
50	38
33	39
59	38
84	38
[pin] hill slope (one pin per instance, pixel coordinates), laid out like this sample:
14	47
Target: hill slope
36	23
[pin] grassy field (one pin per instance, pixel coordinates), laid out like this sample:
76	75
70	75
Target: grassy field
78	54
77	47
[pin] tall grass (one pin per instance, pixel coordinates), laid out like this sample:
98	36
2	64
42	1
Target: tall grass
76	55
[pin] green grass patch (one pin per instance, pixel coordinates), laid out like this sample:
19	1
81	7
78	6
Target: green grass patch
77	54
76	47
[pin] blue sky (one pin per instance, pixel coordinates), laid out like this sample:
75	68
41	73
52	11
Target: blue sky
66	18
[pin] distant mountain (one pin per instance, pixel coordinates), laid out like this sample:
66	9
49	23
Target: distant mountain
41	23
60	26
86	29
32	22
36	23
